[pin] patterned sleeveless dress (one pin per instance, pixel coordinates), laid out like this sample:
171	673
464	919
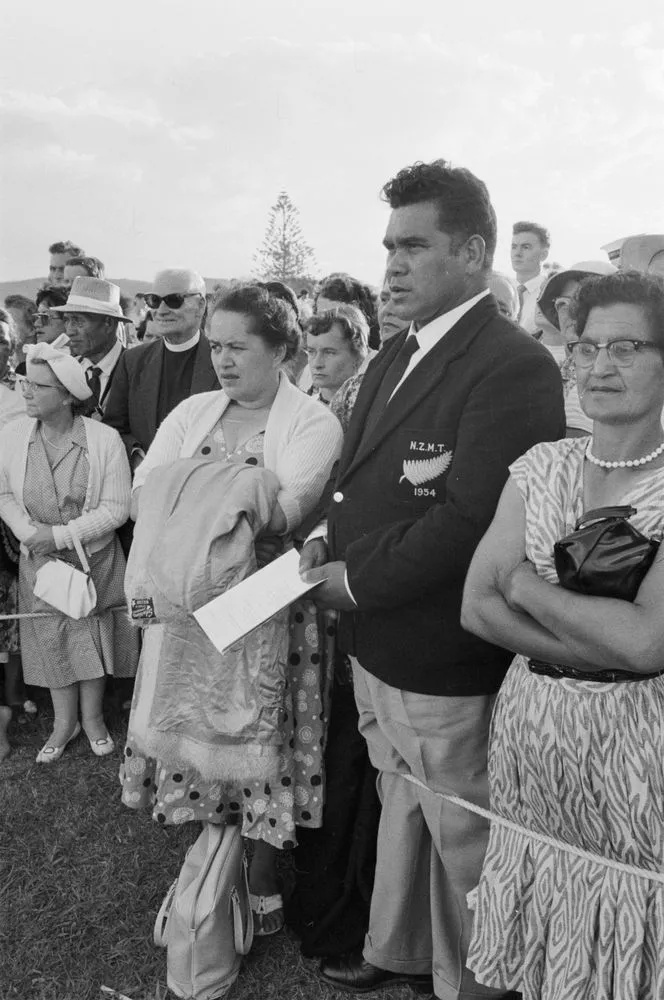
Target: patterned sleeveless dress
265	812
581	762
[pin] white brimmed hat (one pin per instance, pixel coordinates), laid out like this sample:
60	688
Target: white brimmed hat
555	284
93	295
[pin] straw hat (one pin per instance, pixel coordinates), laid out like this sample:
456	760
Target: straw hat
93	295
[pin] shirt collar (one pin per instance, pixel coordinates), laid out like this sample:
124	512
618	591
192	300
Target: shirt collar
188	344
107	363
533	283
432	332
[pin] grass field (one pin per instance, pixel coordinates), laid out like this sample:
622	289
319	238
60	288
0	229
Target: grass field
82	878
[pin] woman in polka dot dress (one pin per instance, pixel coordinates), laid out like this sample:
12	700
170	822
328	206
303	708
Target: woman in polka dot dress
258	418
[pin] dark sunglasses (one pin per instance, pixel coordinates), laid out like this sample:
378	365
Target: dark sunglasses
45	319
174	301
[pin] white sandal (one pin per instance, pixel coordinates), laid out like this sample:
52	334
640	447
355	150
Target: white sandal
260	907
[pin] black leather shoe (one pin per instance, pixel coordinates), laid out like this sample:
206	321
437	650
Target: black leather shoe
423	992
351	973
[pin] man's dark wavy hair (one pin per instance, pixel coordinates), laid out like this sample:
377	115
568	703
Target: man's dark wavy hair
92	265
624	287
52	295
273	319
464	205
66	246
541	232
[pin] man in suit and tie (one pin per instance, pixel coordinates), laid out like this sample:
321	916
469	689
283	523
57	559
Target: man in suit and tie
153	378
442	412
529	250
92	315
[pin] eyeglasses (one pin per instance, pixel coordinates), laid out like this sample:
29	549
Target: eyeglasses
45	318
26	383
174	301
621	352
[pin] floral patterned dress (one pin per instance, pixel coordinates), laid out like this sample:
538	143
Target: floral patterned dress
268	812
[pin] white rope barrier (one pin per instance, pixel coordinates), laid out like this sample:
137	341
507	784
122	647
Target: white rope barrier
540	837
58	614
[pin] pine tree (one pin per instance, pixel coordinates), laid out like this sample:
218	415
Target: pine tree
284	255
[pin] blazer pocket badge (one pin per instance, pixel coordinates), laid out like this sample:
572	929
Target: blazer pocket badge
421	478
423	470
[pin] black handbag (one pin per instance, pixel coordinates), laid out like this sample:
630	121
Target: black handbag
605	556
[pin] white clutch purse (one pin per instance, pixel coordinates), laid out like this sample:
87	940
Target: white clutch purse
65	587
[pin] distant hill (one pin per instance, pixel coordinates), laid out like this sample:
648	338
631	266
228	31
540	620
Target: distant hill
30	286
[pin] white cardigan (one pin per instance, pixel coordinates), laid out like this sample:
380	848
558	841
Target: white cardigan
302	442
107	499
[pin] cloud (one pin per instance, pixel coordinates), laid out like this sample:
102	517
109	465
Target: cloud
636	35
652	70
191	135
524	36
91	103
50	155
67	157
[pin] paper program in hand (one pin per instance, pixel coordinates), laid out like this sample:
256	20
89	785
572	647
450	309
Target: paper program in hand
232	615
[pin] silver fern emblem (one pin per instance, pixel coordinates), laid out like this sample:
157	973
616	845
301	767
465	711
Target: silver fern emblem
423	470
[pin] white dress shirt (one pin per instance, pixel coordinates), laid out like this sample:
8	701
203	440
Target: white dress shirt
526	317
429	335
105	366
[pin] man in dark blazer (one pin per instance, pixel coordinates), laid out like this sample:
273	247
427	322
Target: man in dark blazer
152	379
441	413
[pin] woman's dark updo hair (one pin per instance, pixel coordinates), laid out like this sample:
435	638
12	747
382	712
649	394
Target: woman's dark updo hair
624	287
284	292
340	287
273	320
52	295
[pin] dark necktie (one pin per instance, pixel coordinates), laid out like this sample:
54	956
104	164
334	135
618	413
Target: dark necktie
391	380
93	377
521	289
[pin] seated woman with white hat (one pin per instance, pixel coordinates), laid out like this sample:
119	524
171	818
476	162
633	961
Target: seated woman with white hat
63	475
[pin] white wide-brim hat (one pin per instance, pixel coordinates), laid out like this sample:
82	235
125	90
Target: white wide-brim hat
93	295
554	286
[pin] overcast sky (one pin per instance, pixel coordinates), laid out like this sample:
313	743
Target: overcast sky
159	133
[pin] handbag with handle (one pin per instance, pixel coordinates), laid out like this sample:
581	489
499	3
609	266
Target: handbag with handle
605	556
205	921
65	587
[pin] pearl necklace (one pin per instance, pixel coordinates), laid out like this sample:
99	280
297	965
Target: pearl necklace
56	447
630	463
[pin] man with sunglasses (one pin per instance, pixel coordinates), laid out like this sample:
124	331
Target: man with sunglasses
153	378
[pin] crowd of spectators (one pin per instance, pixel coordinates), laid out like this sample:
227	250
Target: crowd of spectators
464	753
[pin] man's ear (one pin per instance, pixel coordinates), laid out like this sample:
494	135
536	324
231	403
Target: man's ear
475	250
